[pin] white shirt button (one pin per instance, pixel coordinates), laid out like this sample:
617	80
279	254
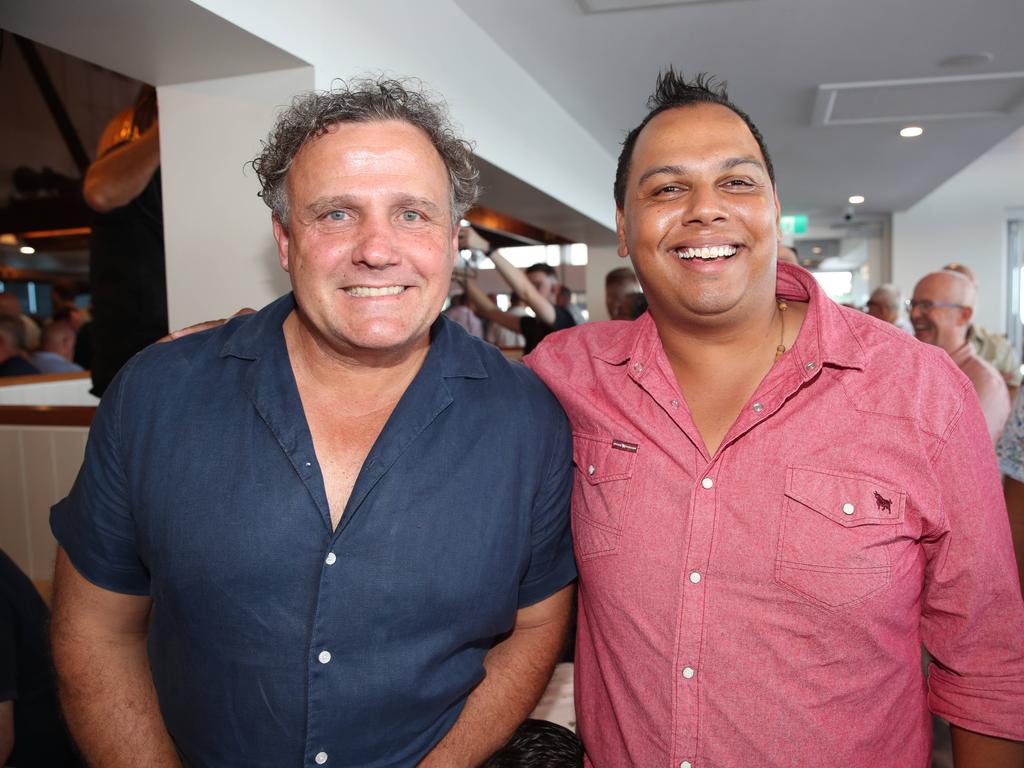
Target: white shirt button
675	403
695	577
591	469
688	672
321	758
324	657
757	407
811	366
638	367
685	764
707	482
331	558
847	508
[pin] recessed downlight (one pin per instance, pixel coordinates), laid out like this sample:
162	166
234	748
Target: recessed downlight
911	131
855	199
27	249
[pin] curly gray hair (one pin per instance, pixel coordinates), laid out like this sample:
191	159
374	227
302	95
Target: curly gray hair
359	101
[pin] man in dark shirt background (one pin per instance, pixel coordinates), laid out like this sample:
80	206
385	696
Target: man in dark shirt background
127	273
31	733
12	342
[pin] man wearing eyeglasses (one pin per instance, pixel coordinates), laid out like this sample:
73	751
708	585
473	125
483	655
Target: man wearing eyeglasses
941	312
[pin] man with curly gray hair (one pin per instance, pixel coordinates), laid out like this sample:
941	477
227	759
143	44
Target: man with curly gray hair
299	511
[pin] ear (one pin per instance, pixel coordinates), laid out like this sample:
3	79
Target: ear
281	236
620	233
455	244
778	214
966	314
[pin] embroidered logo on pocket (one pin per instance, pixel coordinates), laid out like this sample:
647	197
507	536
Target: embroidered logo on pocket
883	504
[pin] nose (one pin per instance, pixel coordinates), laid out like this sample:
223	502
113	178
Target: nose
704	205
376	247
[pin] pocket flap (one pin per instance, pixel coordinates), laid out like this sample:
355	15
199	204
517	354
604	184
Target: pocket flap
600	459
846	499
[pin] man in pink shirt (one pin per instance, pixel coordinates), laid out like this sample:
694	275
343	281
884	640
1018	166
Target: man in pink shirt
941	312
777	500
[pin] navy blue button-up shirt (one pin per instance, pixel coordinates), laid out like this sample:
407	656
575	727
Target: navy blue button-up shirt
276	641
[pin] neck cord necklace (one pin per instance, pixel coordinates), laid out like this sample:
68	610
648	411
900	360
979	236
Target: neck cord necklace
781	349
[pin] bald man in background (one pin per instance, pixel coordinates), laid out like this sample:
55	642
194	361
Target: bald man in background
993	348
941	312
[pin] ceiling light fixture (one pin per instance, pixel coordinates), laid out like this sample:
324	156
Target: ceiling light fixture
816	250
855	199
966	60
27	249
911	131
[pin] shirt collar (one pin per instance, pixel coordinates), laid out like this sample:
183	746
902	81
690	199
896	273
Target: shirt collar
453	354
826	336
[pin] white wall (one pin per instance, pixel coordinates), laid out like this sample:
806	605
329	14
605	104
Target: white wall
39	467
220	251
964	220
515	123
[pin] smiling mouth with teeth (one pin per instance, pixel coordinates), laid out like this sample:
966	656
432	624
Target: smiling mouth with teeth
365	291
707	254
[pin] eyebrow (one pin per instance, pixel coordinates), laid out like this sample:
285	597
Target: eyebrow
333	202
681	170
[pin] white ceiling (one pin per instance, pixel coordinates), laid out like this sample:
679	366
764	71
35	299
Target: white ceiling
775	54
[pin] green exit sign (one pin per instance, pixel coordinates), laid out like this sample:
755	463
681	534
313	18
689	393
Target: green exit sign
793	225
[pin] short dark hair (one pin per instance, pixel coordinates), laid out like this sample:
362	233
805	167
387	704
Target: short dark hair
539	744
312	114
619	276
672	91
547	269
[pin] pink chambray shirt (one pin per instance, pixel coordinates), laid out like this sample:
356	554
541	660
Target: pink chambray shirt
767	605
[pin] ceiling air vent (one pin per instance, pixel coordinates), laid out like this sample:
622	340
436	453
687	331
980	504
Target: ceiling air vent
610	6
995	94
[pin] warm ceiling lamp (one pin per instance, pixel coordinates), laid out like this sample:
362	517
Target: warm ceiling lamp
27	249
911	131
855	199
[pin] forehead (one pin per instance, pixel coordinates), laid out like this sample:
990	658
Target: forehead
365	151
693	133
937	287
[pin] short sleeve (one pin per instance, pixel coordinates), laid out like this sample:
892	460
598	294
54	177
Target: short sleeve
94	524
1010	448
972	617
552	564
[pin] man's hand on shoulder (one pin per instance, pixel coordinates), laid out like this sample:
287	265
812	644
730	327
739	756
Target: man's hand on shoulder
203	326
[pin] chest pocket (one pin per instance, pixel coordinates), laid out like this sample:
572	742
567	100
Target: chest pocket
604	469
835	537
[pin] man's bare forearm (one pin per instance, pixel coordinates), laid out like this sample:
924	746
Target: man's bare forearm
120	176
104	680
976	750
519	283
6	730
518	669
488	310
